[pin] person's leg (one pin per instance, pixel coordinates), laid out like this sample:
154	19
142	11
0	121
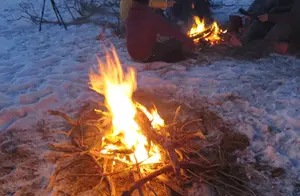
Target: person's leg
277	39
279	33
255	31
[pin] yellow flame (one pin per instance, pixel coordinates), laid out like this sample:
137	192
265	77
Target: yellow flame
117	86
213	35
156	121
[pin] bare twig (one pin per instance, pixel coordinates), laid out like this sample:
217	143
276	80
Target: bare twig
56	172
63	148
176	114
190	122
237	179
107	178
229	185
63	115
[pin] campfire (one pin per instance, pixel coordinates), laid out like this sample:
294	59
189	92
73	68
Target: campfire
200	31
117	87
135	151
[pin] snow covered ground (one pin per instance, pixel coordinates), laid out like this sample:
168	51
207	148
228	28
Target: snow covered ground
49	70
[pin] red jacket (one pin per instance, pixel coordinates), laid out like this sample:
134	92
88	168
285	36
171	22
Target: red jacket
142	27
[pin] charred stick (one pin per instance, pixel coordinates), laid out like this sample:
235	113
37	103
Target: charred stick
163	178
203	34
165	169
121	151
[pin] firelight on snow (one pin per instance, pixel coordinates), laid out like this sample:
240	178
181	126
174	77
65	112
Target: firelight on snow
211	34
117	86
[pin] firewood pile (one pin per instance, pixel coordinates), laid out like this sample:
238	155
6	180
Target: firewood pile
194	152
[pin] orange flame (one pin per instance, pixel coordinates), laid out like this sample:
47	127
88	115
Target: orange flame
117	87
213	34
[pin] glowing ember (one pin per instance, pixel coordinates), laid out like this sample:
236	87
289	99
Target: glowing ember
211	34
117	86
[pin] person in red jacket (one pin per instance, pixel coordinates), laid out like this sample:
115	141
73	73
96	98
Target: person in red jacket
143	26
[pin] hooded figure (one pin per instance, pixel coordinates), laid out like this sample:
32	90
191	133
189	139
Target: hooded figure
277	21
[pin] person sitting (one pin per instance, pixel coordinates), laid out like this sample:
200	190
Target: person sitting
274	21
286	30
143	26
259	29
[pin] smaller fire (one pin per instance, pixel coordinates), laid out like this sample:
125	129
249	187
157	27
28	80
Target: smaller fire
211	34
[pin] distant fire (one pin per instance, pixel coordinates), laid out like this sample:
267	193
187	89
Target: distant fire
125	137
211	34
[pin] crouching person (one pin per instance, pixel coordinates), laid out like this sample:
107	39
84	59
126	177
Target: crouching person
286	31
143	26
277	25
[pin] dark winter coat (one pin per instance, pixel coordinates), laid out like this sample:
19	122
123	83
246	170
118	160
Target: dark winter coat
292	18
142	27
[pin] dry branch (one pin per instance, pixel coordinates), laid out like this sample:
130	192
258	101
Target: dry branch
165	169
203	34
63	115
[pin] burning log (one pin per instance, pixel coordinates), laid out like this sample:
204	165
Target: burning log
202	35
211	34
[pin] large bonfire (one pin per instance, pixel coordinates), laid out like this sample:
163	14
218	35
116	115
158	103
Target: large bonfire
131	144
117	87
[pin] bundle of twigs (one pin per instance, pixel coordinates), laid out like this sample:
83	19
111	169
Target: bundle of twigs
182	162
